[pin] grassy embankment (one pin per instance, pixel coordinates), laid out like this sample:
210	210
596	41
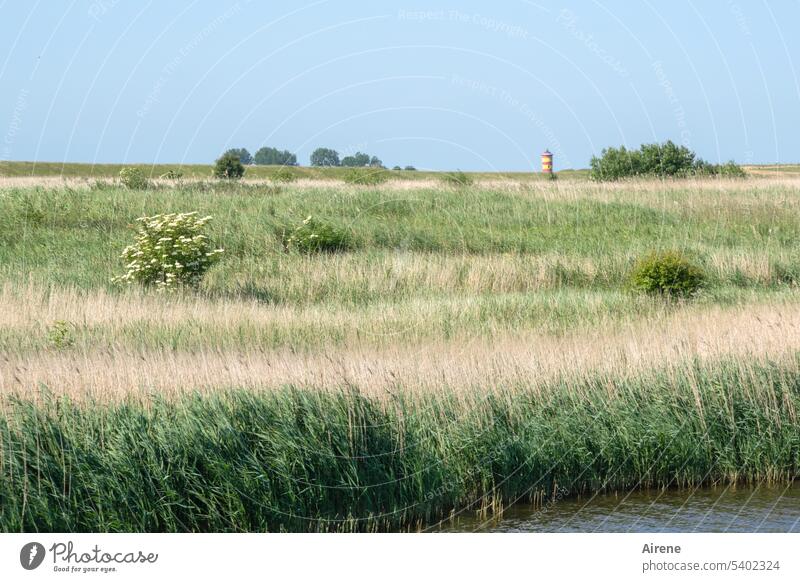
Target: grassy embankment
477	346
204	172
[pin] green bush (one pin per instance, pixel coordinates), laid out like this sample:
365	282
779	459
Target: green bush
731	170
170	251
667	273
59	335
365	176
459	179
283	175
316	236
133	178
659	160
228	167
243	155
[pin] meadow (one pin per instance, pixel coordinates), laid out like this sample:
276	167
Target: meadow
473	347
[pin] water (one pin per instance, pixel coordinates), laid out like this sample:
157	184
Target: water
719	509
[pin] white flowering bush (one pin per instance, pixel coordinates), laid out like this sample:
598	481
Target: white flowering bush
170	251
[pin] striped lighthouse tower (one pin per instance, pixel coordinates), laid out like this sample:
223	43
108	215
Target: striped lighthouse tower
547	162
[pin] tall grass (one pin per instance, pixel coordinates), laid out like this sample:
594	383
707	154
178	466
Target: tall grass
301	460
76	236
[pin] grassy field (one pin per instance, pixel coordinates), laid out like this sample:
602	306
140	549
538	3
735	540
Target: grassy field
475	346
204	172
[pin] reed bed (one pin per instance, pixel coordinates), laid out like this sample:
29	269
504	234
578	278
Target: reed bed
302	460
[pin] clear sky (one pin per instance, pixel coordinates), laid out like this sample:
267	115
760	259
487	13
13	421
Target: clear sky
437	84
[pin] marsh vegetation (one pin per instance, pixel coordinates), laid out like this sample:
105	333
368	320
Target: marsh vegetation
456	347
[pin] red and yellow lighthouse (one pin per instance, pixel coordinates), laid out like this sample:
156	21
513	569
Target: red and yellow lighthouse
547	162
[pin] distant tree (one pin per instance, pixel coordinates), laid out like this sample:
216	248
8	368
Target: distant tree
229	167
375	162
267	156
396	168
243	155
410	169
325	157
357	160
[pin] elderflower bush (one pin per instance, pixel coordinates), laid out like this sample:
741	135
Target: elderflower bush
170	251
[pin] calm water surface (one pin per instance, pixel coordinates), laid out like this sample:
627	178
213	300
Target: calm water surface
719	509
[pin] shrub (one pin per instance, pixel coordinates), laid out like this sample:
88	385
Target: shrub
243	155
727	170
170	250
731	170
660	160
59	335
283	175
315	236
133	178
229	167
365	177
457	179
664	160
172	175
667	273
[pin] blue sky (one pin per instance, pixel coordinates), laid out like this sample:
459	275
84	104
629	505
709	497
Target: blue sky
440	85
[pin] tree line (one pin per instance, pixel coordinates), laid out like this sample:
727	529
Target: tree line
320	157
265	156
